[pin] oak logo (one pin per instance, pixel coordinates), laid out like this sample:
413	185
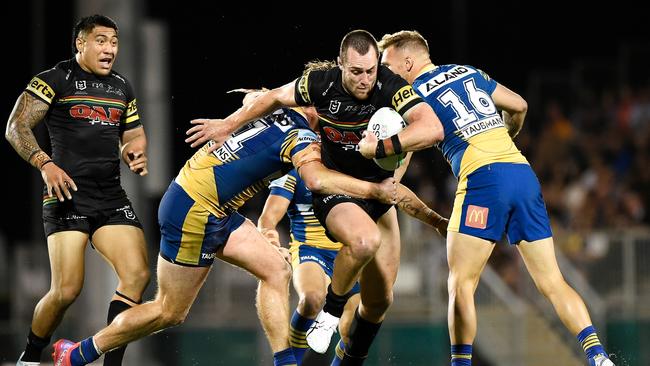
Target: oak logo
96	114
476	217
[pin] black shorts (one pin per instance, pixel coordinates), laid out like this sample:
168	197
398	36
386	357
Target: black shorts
65	216
323	204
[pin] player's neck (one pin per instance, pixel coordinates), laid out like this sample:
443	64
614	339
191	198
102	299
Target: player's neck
420	68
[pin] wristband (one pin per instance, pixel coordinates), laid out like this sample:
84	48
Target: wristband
45	162
380	151
397	145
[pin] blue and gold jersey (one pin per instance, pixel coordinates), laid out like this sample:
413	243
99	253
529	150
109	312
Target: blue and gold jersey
246	163
475	134
305	227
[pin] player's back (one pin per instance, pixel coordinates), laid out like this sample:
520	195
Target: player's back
475	134
246	163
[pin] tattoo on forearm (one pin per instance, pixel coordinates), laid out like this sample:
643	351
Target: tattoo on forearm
406	205
27	113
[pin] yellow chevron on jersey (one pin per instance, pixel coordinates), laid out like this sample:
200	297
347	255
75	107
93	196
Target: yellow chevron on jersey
41	89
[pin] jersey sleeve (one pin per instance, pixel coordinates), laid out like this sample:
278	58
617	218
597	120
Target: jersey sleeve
131	118
397	92
296	141
284	186
490	84
308	85
45	86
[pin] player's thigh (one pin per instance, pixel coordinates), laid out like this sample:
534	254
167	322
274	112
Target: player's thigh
123	246
309	277
540	260
248	249
178	285
467	255
349	223
66	250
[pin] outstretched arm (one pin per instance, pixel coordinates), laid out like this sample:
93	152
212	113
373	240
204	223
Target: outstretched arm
322	180
513	107
412	205
28	112
219	130
134	150
274	210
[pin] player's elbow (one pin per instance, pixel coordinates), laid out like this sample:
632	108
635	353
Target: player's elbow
314	183
521	106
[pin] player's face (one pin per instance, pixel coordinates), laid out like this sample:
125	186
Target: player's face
97	50
360	73
394	60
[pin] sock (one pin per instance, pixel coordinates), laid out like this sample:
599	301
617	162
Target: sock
86	353
298	335
461	355
284	358
340	351
34	347
590	343
334	303
362	334
114	357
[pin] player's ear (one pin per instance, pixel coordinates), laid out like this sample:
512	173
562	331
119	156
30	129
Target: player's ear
339	62
79	42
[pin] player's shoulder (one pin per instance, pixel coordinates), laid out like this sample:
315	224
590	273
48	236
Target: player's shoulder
119	77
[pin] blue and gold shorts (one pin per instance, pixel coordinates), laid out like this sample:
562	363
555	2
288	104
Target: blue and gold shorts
189	234
501	198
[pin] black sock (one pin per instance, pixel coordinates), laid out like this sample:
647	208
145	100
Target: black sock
334	304
313	358
114	357
34	348
362	334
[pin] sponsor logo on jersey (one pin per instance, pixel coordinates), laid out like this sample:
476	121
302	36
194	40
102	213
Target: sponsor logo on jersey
96	114
403	97
208	255
344	137
132	107
334	106
41	89
306	136
303	87
480	126
476	217
443	79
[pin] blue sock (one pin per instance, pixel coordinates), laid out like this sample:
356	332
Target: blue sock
339	352
298	335
461	355
590	343
284	358
85	353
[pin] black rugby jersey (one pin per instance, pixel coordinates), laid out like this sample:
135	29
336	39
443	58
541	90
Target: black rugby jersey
343	118
87	115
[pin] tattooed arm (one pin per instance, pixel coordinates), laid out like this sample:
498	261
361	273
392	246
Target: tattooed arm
28	112
412	205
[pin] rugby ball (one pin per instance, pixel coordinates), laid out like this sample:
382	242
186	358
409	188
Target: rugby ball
384	123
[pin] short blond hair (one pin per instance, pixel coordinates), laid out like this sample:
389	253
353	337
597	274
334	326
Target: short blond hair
402	39
315	65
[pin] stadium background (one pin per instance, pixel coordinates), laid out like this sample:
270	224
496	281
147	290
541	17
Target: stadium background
584	74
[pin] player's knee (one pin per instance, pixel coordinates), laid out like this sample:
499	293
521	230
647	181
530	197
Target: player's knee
311	302
172	317
278	274
376	307
65	295
365	247
460	285
136	279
